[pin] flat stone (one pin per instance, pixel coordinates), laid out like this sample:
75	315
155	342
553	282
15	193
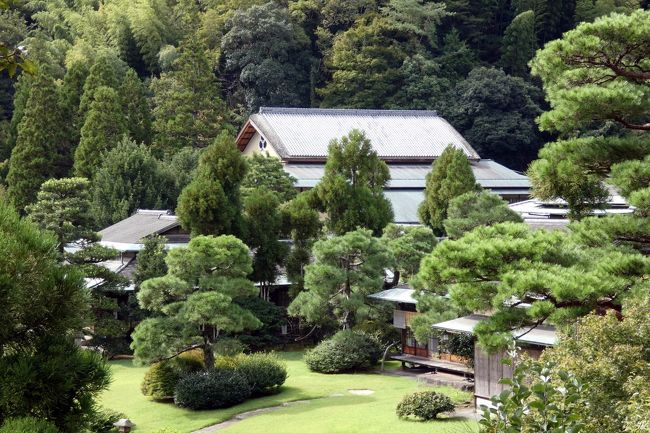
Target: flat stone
361	391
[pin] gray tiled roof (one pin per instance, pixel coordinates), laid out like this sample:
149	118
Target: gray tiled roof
141	224
488	173
395	134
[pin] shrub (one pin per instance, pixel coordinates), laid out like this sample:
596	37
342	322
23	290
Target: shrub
263	372
102	421
161	378
345	351
425	405
211	389
28	425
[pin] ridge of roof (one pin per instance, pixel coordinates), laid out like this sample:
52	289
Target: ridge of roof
348	111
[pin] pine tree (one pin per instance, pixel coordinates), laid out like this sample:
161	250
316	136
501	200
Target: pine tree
135	106
188	109
451	175
195	301
69	97
211	203
151	260
33	159
63	207
103	128
519	44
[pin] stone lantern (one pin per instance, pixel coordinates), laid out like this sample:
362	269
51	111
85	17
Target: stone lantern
124	425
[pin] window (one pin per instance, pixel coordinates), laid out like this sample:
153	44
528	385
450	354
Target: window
262	143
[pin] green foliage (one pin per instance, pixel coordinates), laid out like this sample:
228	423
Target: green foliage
210	204
43	297
28	425
450	176
263	70
33	159
188	110
194	302
351	191
55	379
609	356
135	106
230	347
496	112
519	44
263	372
345	270
267	172
424	405
574	170
103	128
102	421
268	334
160	380
541	398
129	178
344	352
474	209
303	224
211	390
589	10
151	260
595	74
105	71
496	268
63	207
408	245
365	65
263	224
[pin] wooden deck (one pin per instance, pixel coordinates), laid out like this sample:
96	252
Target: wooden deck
436	364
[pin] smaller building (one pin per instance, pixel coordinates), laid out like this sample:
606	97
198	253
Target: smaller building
488	368
553	214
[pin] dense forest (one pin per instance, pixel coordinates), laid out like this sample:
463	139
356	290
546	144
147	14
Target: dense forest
152	81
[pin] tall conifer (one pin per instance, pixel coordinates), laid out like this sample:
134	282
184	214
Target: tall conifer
103	128
136	107
33	159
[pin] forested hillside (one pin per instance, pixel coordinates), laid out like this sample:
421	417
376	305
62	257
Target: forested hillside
174	74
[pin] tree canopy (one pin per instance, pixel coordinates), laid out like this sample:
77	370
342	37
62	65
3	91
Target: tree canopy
498	268
195	301
475	209
351	192
346	269
450	176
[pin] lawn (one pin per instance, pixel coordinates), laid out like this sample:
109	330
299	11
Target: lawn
331	409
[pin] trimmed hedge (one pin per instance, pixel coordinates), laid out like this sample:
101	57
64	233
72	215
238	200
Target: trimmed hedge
211	389
28	425
263	372
345	351
160	380
425	405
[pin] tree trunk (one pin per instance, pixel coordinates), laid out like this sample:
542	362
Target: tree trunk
208	354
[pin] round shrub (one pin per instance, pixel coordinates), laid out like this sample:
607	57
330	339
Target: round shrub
211	389
28	425
161	378
263	372
102	421
229	347
345	351
425	405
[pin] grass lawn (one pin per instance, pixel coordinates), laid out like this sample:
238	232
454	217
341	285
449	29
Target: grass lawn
335	410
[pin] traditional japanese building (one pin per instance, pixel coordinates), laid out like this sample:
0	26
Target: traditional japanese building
407	140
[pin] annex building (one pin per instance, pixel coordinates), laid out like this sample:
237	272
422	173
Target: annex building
407	140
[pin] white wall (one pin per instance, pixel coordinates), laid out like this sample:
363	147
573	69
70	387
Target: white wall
253	147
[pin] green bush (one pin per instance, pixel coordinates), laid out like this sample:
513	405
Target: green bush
211	389
28	425
263	372
102	421
161	378
345	351
425	405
